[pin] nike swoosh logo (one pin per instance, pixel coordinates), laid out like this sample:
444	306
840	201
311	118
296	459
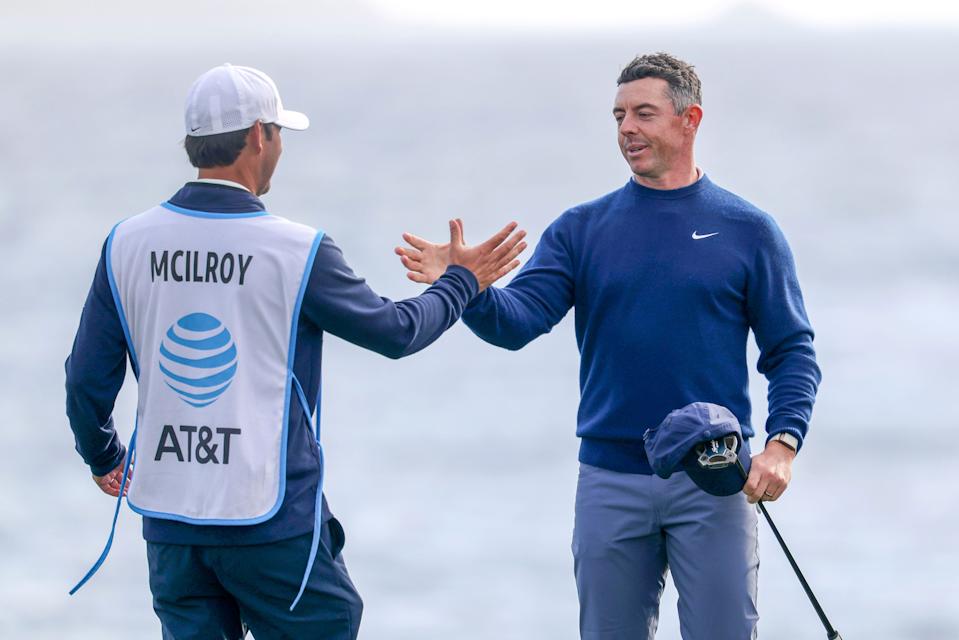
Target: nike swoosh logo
195	128
696	236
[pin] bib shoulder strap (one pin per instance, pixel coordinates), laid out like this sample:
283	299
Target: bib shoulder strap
318	509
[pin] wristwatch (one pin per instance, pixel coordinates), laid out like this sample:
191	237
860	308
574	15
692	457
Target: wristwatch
787	439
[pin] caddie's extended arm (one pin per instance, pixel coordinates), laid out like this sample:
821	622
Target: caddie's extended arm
783	333
536	299
94	374
339	301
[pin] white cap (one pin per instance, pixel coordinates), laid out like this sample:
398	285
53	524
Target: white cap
229	98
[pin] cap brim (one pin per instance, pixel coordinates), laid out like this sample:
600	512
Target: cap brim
292	120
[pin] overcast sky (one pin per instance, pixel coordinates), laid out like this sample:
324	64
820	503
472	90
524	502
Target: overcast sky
557	13
66	16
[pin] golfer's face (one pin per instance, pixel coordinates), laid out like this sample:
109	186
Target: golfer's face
651	136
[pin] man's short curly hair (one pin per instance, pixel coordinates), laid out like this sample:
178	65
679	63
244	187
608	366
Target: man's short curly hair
685	89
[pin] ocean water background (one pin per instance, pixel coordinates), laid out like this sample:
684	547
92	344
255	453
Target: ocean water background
454	470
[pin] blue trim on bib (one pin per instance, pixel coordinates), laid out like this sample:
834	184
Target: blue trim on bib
119	305
286	412
318	509
116	512
210	214
307	270
133	439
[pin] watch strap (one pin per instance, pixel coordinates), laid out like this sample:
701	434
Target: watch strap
787	439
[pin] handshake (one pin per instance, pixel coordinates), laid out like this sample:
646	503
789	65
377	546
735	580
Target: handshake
488	261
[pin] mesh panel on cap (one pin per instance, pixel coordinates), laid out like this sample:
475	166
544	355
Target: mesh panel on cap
231	114
257	94
233	121
215	104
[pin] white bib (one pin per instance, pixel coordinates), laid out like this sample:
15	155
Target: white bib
209	304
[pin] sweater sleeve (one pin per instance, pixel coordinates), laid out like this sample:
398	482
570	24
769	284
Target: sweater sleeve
783	333
95	371
535	301
339	301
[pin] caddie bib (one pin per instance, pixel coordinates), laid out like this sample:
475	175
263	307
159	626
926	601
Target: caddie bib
209	303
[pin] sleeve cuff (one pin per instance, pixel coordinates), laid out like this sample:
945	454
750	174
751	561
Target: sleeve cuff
468	277
103	468
781	428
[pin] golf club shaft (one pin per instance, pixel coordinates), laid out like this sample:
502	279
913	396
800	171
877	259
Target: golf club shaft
831	633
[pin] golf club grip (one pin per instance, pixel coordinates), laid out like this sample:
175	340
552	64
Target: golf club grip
834	636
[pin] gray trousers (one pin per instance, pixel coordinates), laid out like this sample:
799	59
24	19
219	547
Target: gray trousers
631	528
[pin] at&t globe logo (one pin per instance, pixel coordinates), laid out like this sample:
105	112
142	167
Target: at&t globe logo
198	359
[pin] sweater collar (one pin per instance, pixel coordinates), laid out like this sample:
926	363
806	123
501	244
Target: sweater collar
216	198
225	183
667	194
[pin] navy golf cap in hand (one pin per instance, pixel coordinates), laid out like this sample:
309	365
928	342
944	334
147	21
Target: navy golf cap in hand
704	440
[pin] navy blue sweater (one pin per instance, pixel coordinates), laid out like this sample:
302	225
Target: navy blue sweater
666	285
336	300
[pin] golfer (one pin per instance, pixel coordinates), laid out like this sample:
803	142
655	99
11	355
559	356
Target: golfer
667	274
221	308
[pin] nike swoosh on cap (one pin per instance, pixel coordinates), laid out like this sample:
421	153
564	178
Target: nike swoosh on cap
696	236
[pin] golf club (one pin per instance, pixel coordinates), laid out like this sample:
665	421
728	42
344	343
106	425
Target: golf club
717	454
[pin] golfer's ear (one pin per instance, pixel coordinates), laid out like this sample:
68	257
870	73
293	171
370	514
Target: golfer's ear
692	117
254	139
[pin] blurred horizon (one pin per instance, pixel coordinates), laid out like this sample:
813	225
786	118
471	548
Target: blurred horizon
105	22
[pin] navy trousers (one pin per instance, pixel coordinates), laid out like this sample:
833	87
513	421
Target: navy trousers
631	528
207	592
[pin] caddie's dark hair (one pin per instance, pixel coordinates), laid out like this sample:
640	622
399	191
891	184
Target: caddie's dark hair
684	86
221	149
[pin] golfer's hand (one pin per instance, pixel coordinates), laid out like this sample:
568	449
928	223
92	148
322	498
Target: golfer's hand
770	473
110	483
425	260
488	261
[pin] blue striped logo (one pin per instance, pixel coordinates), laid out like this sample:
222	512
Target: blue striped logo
198	359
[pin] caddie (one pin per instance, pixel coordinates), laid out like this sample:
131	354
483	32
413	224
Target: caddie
221	307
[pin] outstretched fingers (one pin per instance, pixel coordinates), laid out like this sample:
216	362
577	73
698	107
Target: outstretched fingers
412	265
456	233
416	276
412	254
509	245
415	241
498	238
515	251
407	256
